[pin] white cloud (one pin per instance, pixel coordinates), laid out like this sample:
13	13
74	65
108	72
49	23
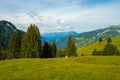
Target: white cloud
65	17
58	28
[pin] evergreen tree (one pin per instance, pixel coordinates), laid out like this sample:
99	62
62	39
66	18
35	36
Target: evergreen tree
53	49
100	39
24	52
0	55
109	40
31	43
14	45
96	53
110	49
60	53
46	52
71	48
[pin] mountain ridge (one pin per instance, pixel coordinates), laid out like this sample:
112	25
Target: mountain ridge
6	30
80	39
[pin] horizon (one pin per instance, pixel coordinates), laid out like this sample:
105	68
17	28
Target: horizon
61	16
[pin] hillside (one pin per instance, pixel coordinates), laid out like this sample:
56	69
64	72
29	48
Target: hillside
87	50
82	68
91	37
6	30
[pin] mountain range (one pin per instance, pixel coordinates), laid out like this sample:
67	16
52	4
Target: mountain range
81	39
90	37
57	36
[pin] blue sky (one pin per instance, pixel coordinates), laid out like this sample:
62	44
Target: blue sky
61	15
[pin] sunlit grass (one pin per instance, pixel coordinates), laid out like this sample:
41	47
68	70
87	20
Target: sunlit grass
81	68
88	49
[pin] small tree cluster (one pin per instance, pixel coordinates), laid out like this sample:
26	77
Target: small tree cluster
31	43
30	46
108	50
49	50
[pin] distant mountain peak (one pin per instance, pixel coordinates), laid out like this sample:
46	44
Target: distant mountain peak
8	24
6	30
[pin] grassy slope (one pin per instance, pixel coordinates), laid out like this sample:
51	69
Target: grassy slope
87	50
82	68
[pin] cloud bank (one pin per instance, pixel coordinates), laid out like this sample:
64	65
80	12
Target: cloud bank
61	15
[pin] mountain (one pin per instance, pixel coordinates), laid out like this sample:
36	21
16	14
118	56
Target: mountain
49	37
93	36
88	49
6	29
90	37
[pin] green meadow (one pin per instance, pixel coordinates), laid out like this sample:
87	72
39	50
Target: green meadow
88	49
80	68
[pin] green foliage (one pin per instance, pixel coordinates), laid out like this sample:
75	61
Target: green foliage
46	52
53	48
2	54
60	53
100	39
31	43
109	40
109	50
14	45
95	52
71	48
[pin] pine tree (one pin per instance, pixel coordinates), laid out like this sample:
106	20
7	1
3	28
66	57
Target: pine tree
110	49
53	49
14	45
109	40
0	55
94	52
24	52
46	52
31	43
71	48
60	53
100	39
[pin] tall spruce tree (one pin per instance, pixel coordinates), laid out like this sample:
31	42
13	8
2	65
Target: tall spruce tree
71	48
24	52
31	43
46	52
14	45
53	49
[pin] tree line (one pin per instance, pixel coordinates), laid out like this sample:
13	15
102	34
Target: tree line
108	50
30	46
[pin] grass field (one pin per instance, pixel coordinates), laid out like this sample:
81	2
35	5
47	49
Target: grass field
81	68
88	49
